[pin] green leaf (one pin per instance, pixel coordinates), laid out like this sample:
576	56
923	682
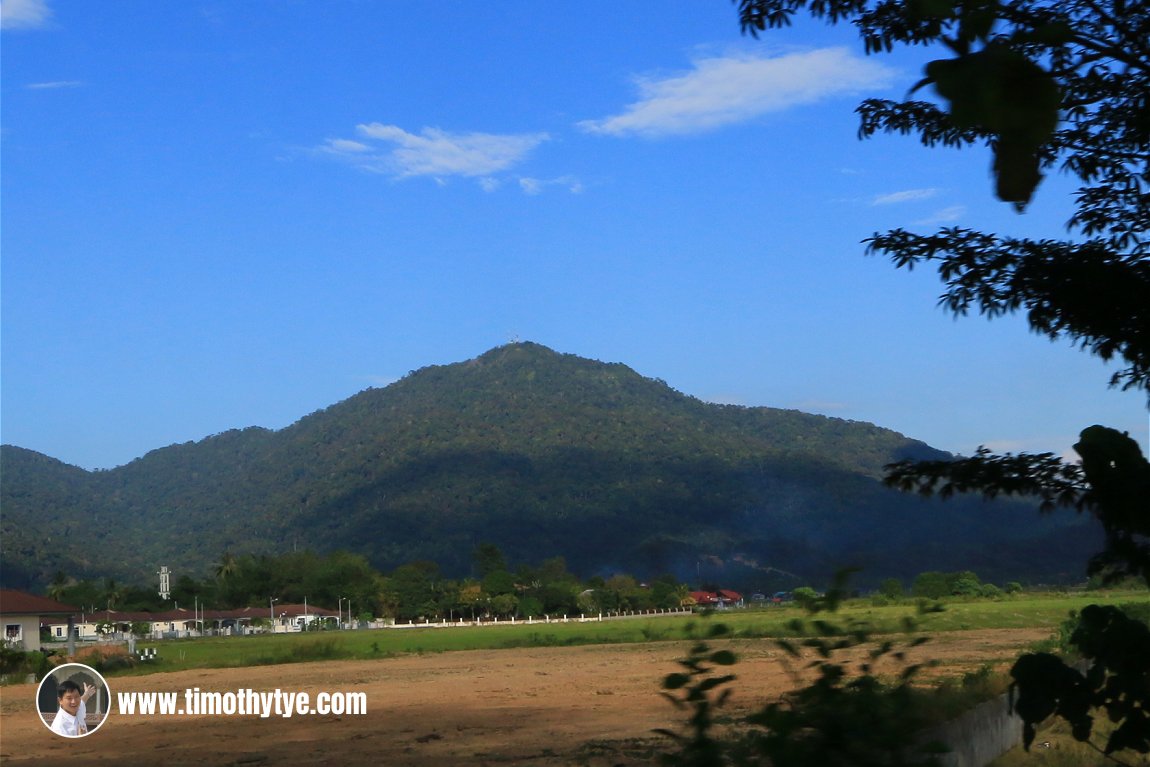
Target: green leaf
710	684
718	630
930	9
1002	92
724	658
1016	173
788	647
1053	34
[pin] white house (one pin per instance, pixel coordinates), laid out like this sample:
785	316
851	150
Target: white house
180	622
21	614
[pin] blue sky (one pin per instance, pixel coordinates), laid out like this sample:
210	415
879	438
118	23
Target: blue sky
219	214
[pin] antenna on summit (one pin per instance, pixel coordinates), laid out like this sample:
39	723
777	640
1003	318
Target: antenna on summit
514	339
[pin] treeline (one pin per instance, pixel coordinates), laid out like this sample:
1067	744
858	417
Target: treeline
414	591
419	591
935	585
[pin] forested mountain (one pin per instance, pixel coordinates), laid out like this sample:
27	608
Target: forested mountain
543	454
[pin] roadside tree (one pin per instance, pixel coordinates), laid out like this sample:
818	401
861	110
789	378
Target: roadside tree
1043	86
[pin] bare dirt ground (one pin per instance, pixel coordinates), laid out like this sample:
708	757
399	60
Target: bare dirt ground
593	706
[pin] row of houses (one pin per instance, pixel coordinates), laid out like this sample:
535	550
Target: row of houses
24	616
721	599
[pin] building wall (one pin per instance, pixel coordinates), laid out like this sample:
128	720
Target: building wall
21	631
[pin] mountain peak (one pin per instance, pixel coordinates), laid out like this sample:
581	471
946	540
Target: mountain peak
527	352
542	453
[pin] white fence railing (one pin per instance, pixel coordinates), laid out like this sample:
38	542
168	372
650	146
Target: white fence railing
531	620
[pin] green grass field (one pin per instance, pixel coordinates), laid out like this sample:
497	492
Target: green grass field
1022	611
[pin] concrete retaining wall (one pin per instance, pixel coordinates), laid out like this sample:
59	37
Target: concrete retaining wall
979	736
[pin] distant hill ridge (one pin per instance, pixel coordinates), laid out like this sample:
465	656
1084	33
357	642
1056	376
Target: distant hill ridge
541	453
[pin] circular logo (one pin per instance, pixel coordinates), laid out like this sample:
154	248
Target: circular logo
73	700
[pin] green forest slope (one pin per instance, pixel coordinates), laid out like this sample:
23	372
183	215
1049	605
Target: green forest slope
543	454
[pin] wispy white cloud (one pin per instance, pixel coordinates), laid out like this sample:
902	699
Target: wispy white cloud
54	85
539	185
24	14
944	216
390	150
725	90
908	195
347	145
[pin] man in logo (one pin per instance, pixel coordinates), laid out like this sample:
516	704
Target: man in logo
70	719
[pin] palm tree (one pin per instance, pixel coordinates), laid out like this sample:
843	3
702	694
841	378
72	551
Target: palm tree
113	593
59	585
227	566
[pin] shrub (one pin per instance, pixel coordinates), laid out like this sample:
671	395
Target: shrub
106	658
1138	611
805	596
891	588
845	717
931	585
965	584
990	591
693	690
17	664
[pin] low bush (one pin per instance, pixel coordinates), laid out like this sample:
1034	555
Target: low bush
17	665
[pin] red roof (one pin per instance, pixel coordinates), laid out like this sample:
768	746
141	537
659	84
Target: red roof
715	597
14	602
